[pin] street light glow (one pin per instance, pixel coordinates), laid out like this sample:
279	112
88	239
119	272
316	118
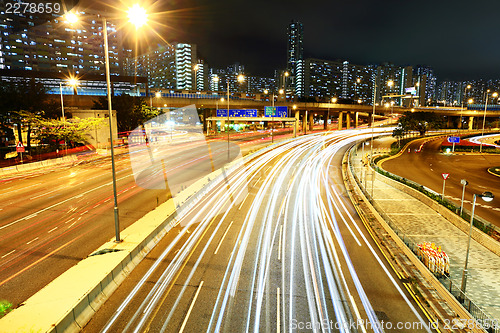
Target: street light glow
390	83
73	82
71	17
470	101
137	16
241	78
334	99
281	91
495	95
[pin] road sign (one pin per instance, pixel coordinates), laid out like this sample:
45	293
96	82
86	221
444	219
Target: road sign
20	147
454	139
279	111
237	113
445	175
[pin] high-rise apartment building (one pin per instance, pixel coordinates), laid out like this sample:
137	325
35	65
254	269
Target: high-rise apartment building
46	42
295	57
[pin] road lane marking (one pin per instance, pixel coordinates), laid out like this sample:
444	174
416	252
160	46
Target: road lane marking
43	194
60	203
239	208
52	229
223	236
278	323
190	308
258	180
84	212
5	255
31	241
71	219
279	243
72	224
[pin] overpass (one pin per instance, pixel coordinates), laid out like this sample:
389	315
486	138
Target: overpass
346	115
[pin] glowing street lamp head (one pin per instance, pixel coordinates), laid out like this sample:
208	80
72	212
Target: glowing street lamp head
358	80
295	107
470	101
196	67
71	17
137	16
241	78
468	86
495	95
334	99
287	74
386	105
266	91
222	99
158	94
215	79
359	101
281	91
73	82
390	83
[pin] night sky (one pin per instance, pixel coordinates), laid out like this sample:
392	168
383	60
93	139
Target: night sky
459	39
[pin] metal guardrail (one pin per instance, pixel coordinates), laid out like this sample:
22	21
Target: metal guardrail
488	323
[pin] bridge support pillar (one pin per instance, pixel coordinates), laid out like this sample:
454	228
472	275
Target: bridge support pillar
450	122
341	114
325	119
311	121
356	119
471	123
348	120
304	123
222	125
459	122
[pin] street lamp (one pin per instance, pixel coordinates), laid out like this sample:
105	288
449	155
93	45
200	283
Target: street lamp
487	197
240	78
494	95
195	68
138	17
358	80
281	92
72	82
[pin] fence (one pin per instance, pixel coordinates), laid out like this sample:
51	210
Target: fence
488	323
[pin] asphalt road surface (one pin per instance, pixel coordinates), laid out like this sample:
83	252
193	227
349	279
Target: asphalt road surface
427	167
276	246
52	218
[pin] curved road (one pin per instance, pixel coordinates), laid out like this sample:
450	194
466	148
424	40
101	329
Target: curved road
427	166
275	247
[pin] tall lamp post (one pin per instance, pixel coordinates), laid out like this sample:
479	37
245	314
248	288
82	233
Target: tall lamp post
281	91
494	95
72	82
487	197
240	79
463	98
138	17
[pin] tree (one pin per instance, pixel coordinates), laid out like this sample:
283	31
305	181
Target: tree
419	121
21	103
52	131
131	111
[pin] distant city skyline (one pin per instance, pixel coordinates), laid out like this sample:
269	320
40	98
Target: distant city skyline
455	38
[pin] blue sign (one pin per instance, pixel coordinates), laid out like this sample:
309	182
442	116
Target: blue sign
277	111
453	139
237	113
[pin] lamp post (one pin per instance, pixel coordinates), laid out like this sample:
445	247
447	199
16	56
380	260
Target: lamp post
487	197
240	79
390	83
494	95
462	108
373	124
358	80
464	183
137	16
72	82
195	68
295	122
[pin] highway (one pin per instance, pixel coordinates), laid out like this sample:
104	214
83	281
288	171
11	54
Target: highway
427	166
52	218
275	247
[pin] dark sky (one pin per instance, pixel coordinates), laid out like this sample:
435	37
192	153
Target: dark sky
459	39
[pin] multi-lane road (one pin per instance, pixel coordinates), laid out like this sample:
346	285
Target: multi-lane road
276	246
54	217
427	166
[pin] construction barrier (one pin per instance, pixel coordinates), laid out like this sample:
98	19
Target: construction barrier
434	258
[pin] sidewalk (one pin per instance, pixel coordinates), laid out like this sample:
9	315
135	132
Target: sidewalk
422	224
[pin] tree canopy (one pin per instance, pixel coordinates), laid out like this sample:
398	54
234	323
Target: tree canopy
131	111
417	121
